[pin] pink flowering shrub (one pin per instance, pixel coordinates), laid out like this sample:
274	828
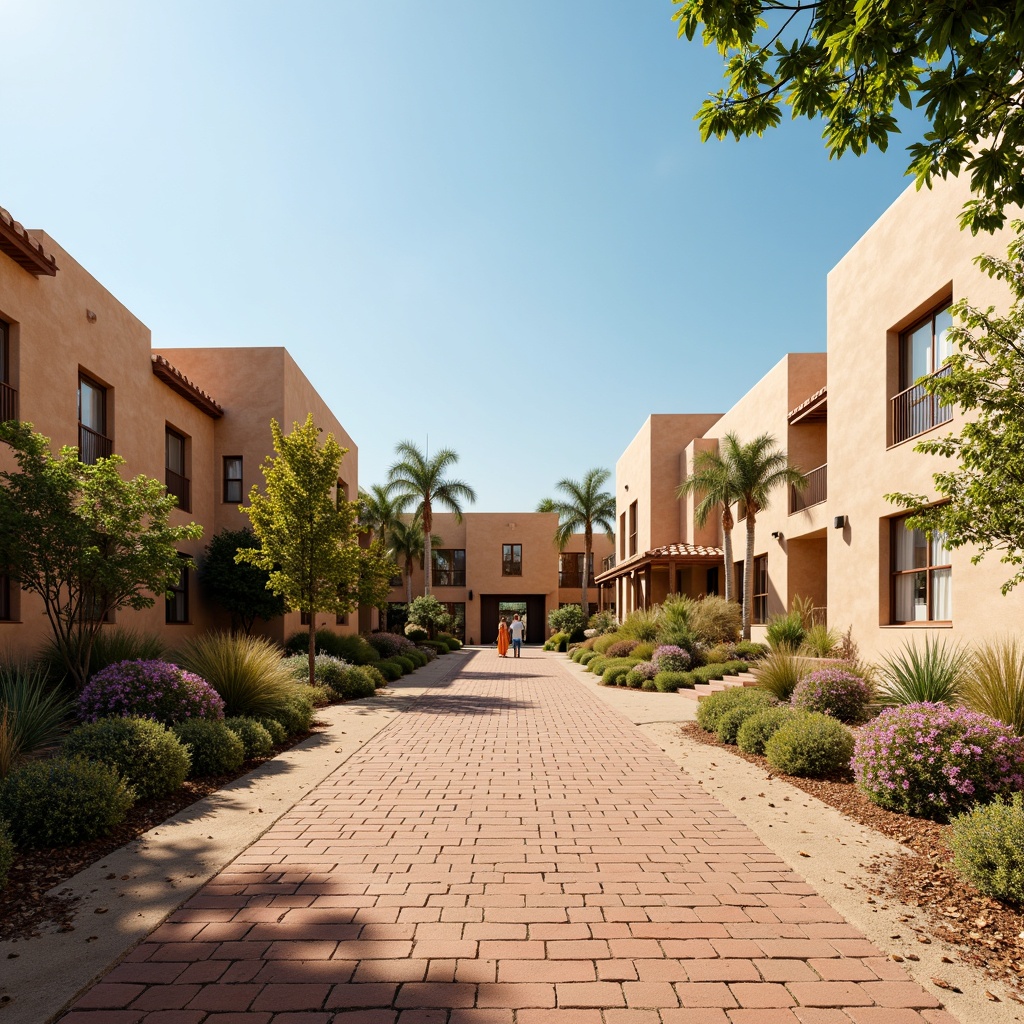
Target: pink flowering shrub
670	658
835	692
933	761
387	645
149	689
646	669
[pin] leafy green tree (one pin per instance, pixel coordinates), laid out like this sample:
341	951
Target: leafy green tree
429	613
583	505
84	539
984	491
417	478
376	567
308	542
850	62
240	588
569	619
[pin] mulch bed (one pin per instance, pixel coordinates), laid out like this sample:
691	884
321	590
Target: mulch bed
25	907
988	932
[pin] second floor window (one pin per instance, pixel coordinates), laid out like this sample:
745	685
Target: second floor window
570	569
924	350
922	576
177	603
93	439
449	567
8	395
511	559
177	480
760	589
632	528
233	479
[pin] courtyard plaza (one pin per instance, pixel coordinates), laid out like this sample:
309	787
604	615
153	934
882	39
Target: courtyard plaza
509	849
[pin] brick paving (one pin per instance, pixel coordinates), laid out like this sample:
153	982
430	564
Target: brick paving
509	851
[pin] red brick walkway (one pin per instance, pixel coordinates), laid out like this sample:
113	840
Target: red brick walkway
510	851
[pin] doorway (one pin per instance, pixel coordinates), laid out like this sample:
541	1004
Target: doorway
531	608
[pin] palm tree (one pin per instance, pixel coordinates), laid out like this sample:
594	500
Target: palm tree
379	511
583	506
417	478
406	544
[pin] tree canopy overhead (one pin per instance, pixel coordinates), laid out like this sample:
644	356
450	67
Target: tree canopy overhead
854	63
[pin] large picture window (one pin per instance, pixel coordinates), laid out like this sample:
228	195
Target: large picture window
921	576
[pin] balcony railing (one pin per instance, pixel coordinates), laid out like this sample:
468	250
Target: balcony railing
449	577
93	446
179	486
914	411
608	562
8	402
814	493
574	580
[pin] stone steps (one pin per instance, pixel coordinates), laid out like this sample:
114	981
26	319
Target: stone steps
702	690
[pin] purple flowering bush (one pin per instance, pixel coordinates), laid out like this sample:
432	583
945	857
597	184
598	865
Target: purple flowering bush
387	645
149	689
933	761
833	691
670	658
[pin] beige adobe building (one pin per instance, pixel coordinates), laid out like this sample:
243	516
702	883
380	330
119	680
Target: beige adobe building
840	543
498	563
79	366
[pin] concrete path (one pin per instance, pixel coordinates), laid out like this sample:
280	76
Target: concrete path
509	850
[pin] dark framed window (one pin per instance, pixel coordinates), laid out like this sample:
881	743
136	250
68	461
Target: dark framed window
922	576
622	535
233	479
177	613
511	559
93	439
8	394
449	567
632	528
570	569
177	480
305	618
341	620
6	607
760	608
738	581
457	610
924	349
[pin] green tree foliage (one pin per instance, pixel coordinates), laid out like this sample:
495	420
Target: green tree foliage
429	613
380	515
84	539
240	588
850	64
420	480
983	491
308	537
407	544
376	567
582	507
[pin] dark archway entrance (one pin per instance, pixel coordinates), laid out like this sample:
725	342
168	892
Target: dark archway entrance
491	610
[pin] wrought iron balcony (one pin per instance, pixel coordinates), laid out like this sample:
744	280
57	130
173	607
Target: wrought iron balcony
93	446
180	487
814	493
914	411
8	402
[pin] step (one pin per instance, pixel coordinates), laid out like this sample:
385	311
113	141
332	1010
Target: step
702	690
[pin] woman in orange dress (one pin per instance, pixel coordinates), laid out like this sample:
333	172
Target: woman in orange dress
502	637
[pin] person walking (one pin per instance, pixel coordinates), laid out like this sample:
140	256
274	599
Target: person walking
518	631
502	637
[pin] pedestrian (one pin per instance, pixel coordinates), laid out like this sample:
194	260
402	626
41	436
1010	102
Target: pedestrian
518	631
502	637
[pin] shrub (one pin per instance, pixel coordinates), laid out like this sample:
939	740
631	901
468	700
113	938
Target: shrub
389	670
357	683
835	692
326	642
755	731
327	670
356	650
428	652
994	682
670	658
32	712
387	644
643	650
729	723
320	695
820	641
277	731
633	679
669	682
810	745
932	761
417	634
779	672
149	689
786	632
750	650
674	627
557	642
988	848
569	620
711	709
644	670
372	673
437	646
62	801
641	624
603	622
931	675
428	612
407	665
621	648
602	643
215	749
719	654
615	670
297	714
705	673
415	655
146	754
715	620
246	671
6	852
597	665
111	645
256	738
577	654
587	657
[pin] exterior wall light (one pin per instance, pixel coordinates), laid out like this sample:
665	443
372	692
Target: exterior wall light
776	535
839	522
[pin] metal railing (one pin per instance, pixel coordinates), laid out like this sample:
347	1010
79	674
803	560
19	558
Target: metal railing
608	562
8	402
914	411
93	446
448	577
814	493
179	486
574	580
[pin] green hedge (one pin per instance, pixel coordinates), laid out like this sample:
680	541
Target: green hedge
255	737
215	749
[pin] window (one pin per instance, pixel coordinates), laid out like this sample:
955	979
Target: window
177	603
305	618
632	528
449	567
6	610
93	442
924	350
177	481
511	559
622	535
457	610
341	620
921	576
760	589
233	479
570	569
8	395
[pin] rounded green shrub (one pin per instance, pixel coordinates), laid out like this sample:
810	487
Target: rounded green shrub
255	737
649	685
389	670
616	669
644	650
988	847
146	754
597	665
711	709
719	654
407	665
811	745
417	657
6	852
730	722
417	634
372	673
296	715
358	683
755	731
437	646
587	657
669	682
63	801
277	731
215	749
749	650
453	642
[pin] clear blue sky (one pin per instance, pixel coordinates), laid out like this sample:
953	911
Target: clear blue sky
493	224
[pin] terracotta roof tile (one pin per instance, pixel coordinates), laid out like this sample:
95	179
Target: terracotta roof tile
177	381
684	551
17	243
